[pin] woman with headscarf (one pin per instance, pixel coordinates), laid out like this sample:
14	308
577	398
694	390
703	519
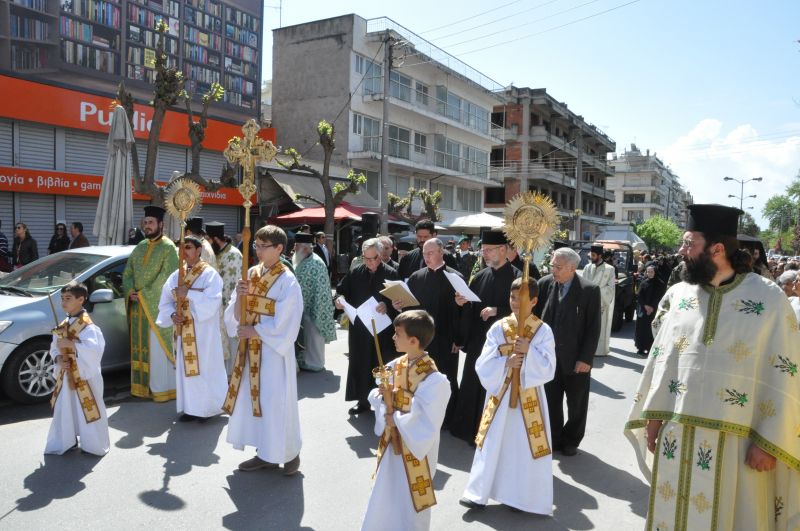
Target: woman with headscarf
59	241
25	249
651	289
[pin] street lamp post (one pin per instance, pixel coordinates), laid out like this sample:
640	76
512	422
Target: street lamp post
741	197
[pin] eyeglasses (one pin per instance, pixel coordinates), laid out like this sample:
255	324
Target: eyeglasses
687	243
61	229
371	258
19	228
485	248
262	246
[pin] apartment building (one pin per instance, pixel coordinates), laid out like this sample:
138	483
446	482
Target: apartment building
644	186
549	149
439	118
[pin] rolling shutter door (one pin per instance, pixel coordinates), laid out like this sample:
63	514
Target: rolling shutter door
37	146
6	145
141	147
37	211
211	163
229	215
86	152
82	209
7	215
170	158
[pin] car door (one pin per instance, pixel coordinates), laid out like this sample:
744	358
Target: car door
111	316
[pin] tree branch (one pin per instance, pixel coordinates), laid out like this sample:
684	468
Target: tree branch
309	198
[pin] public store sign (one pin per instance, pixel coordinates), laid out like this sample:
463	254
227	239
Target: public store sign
61	183
37	102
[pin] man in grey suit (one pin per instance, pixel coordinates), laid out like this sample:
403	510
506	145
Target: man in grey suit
571	306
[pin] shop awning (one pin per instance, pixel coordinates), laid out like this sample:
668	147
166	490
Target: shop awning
316	215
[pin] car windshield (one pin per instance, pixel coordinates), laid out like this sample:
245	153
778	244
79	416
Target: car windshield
51	272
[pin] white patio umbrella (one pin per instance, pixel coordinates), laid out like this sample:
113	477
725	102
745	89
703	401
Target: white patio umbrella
114	215
476	221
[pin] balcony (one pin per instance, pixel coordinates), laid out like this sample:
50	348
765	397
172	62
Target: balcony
538	133
597	191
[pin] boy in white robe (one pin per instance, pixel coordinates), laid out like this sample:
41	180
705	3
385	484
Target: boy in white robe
78	409
408	449
264	411
514	464
201	384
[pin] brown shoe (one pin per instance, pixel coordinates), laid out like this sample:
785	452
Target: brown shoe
292	467
255	463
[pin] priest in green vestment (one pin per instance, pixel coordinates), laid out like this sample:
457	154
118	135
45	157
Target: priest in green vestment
715	421
149	266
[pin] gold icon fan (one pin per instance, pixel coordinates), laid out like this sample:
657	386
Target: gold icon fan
531	221
182	198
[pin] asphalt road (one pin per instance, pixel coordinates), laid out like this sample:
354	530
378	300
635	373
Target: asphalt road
164	474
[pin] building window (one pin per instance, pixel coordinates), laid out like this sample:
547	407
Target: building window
447	194
399	142
635	215
476	117
633	198
422	93
420	184
400	86
420	143
360	64
373	78
370	132
373	182
403	184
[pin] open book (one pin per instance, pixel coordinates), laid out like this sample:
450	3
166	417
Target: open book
397	290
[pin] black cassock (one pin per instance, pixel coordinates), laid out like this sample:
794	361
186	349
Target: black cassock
493	287
437	297
358	286
650	292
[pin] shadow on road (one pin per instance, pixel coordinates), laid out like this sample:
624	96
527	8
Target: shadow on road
455	453
625	364
137	422
587	469
265	499
366	441
602	389
317	384
59	477
188	445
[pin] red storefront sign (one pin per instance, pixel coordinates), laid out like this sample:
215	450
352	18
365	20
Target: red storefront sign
61	183
37	102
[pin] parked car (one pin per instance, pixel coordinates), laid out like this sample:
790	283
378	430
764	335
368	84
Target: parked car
625	292
27	371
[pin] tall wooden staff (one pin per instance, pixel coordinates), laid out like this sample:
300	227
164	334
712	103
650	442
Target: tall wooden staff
530	222
182	200
247	152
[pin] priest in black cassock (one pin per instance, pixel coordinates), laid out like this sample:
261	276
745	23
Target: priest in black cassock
437	297
493	286
411	262
360	284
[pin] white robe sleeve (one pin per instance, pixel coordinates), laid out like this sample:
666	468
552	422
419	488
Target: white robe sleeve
166	304
231	316
491	365
376	400
90	351
539	366
420	427
205	304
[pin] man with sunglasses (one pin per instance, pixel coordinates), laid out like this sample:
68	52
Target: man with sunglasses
192	308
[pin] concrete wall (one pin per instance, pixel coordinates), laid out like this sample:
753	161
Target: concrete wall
310	82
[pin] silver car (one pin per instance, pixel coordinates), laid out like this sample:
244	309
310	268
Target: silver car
27	371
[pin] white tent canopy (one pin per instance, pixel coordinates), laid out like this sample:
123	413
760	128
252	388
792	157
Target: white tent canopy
476	221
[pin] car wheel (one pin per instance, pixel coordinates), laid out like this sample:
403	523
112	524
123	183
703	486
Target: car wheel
29	375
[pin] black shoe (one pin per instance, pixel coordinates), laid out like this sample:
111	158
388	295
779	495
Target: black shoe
569	451
469	504
359	408
187	418
641	353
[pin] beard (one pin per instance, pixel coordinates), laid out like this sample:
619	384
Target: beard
700	270
153	235
299	256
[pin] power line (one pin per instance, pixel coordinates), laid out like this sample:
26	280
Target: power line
469	18
513	27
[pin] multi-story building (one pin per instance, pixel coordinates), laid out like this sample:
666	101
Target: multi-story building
644	186
549	149
60	64
439	109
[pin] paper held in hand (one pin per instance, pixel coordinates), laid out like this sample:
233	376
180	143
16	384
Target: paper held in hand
461	287
397	290
367	312
349	310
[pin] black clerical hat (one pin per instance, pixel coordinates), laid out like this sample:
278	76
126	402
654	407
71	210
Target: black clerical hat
195	225
596	249
558	244
153	211
303	237
404	246
713	219
494	237
215	229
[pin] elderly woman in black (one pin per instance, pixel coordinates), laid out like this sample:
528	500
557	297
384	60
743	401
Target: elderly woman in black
60	240
25	249
651	289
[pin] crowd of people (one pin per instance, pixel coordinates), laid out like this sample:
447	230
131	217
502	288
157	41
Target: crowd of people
715	415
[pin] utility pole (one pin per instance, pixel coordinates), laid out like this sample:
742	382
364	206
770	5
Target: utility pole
741	197
383	201
578	182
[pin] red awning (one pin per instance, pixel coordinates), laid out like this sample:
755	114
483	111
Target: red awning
316	215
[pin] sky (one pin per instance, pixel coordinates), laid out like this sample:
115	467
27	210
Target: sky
711	86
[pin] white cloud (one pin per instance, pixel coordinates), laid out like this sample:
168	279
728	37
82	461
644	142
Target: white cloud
706	154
